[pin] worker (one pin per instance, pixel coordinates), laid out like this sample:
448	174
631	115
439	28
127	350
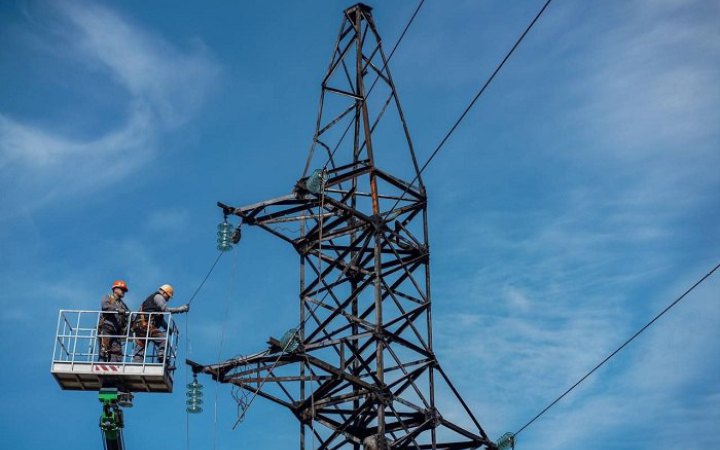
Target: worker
113	322
151	325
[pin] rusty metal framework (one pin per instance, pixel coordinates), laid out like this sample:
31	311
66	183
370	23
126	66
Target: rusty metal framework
359	371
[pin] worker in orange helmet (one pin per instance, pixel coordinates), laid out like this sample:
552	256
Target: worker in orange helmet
151	325
113	323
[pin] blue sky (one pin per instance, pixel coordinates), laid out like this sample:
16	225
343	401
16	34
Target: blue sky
578	198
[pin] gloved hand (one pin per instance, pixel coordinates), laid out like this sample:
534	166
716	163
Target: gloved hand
180	309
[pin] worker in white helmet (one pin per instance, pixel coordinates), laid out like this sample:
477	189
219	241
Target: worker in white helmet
151	325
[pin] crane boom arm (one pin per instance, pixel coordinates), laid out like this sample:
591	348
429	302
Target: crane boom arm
111	420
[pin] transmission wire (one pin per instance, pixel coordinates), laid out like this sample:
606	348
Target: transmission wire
192	297
187	340
472	103
402	35
647	325
233	282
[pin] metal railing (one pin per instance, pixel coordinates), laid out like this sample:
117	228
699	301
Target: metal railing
78	335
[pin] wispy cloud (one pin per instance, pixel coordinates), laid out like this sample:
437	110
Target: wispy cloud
171	82
546	292
648	101
651	84
648	394
527	359
165	87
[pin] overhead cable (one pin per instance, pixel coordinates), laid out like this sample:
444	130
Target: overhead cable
402	35
187	340
474	100
212	267
700	281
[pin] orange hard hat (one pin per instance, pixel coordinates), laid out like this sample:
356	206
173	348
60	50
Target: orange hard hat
120	284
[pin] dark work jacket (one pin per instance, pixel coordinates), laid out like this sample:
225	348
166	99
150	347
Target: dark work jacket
151	306
115	313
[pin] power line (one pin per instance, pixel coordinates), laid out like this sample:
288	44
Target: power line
187	341
487	83
700	281
402	35
212	267
474	100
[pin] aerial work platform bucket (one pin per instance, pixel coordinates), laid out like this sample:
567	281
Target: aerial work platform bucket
137	367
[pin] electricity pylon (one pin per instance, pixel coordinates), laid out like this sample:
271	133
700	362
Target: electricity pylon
359	371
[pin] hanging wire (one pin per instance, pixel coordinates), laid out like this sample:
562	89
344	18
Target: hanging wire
187	339
472	103
233	283
212	267
617	350
402	35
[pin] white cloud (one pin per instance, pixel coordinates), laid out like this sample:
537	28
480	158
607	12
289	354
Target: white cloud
26	146
165	87
171	82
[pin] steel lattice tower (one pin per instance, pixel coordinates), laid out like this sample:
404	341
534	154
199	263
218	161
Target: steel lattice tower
359	371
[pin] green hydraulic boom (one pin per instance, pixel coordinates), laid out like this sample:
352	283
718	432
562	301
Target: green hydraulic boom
111	420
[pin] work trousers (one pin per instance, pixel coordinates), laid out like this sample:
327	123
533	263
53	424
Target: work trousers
110	343
156	337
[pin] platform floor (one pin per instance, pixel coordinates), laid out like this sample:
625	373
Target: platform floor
90	376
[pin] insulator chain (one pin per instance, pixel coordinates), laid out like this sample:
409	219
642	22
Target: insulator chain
194	396
227	236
